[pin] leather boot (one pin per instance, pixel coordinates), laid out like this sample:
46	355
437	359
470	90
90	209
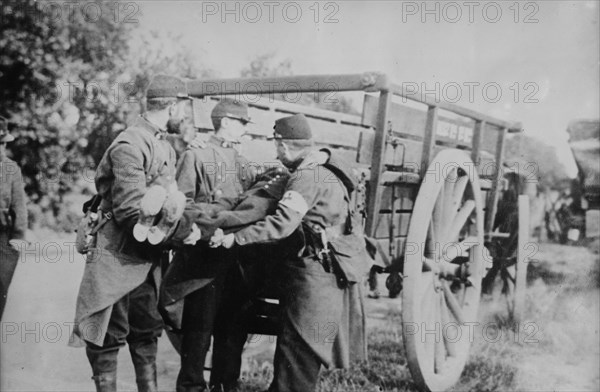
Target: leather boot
105	382
145	377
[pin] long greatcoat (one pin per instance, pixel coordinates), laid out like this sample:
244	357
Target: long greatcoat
138	157
317	197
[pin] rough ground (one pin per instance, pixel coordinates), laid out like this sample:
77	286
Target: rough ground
560	352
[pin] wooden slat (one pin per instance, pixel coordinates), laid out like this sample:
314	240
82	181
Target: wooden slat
410	121
405	198
378	159
494	195
429	141
510	126
477	139
399	246
240	87
489	138
400	226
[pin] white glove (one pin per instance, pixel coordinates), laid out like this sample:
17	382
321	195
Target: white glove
221	239
228	241
194	236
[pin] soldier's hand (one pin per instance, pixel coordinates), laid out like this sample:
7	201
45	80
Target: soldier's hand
194	236
197	142
18	244
216	239
314	158
221	239
228	241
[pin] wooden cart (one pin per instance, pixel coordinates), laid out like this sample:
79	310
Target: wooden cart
431	189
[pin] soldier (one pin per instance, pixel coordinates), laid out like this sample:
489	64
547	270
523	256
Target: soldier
13	213
197	277
316	277
118	294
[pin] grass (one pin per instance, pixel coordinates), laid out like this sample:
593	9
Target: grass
558	336
490	368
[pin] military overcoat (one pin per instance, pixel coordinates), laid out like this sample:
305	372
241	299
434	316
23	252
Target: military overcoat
315	198
139	157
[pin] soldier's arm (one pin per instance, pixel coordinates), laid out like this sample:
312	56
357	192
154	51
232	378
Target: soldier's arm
187	179
299	197
18	205
130	183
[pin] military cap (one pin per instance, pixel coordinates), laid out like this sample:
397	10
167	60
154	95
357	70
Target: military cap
5	136
294	127
230	108
165	86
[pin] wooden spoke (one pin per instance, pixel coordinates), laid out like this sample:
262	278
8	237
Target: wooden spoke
453	304
461	218
430	243
459	190
450	345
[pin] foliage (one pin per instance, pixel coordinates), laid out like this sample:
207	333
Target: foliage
267	65
70	81
56	70
530	151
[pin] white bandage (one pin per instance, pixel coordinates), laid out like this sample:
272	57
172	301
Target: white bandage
294	201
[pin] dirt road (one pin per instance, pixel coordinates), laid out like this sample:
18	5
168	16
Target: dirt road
563	301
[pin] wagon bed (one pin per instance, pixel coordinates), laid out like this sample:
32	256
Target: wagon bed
432	178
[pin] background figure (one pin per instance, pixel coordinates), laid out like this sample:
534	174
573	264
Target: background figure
13	214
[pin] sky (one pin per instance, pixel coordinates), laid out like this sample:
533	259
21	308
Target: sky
537	62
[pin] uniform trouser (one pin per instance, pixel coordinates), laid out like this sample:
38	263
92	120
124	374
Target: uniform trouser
311	317
134	320
231	332
218	304
9	257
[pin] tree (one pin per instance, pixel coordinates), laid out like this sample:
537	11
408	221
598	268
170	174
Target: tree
71	79
540	158
57	67
266	65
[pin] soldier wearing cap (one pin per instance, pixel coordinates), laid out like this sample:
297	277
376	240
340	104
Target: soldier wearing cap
117	301
198	277
316	203
13	213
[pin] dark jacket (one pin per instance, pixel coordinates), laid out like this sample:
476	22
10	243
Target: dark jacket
207	176
138	157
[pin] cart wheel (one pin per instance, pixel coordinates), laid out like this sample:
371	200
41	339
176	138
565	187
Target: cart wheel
443	268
